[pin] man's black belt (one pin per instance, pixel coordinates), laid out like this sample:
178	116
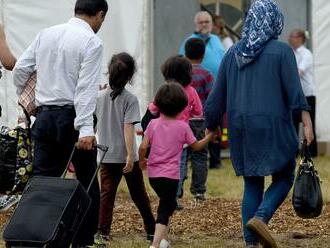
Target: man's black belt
54	107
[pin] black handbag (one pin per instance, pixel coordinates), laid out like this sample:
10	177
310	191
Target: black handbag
307	195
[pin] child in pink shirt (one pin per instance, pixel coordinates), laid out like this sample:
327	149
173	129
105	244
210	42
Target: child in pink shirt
179	69
167	135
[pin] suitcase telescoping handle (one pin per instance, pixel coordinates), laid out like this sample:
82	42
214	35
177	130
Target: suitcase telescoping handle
104	149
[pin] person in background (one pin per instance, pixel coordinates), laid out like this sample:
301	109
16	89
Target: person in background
179	69
8	61
219	28
117	112
259	88
214	52
66	96
166	136
304	57
202	81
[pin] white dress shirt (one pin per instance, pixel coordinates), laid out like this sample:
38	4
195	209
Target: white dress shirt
304	59
68	60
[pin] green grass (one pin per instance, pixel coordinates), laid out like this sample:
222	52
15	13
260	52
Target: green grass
223	183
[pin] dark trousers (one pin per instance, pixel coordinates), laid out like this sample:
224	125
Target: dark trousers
311	100
166	190
215	154
54	138
198	160
111	175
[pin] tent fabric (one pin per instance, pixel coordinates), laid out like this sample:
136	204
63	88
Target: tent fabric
124	29
321	50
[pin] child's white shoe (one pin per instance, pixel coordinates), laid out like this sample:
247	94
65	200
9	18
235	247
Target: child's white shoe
164	244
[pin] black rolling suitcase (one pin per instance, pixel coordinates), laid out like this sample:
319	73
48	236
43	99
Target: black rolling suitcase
50	212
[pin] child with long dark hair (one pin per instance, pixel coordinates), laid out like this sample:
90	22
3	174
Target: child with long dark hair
166	136
117	113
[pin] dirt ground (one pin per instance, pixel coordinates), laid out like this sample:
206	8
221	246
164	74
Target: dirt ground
214	223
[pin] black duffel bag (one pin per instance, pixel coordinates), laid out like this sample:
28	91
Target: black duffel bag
307	195
15	158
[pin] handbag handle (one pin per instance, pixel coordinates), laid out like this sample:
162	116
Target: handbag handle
305	153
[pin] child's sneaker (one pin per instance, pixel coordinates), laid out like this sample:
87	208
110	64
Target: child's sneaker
7	201
101	240
164	244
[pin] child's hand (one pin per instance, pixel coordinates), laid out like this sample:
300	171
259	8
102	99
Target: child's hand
143	164
103	87
129	165
214	135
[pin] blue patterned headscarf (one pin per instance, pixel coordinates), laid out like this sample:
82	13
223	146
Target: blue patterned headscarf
263	23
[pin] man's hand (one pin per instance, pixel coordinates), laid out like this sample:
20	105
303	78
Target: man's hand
129	165
308	127
86	143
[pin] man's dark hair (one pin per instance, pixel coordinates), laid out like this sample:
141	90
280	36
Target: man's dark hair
194	48
178	69
90	7
171	99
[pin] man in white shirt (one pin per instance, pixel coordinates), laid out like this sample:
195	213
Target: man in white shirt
68	60
304	59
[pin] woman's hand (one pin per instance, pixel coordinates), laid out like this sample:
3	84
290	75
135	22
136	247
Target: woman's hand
216	134
308	127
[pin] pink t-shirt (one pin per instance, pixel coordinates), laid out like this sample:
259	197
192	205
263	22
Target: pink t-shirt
193	109
167	138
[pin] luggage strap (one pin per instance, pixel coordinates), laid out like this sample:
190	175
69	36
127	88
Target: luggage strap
104	149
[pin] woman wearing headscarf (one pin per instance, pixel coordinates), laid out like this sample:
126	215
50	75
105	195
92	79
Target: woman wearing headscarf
259	88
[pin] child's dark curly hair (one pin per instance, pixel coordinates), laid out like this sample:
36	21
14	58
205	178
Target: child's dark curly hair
171	99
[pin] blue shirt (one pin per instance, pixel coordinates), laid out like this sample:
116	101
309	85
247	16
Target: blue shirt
214	52
259	99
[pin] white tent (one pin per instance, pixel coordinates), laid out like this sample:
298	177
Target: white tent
126	28
321	49
129	27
